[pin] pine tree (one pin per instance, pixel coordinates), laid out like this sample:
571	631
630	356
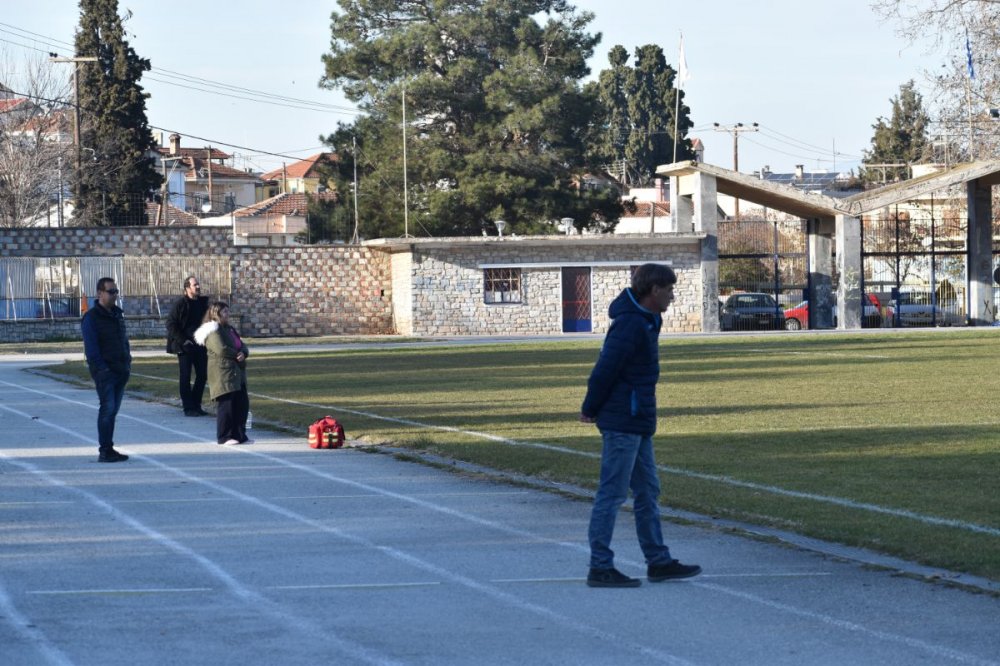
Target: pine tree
639	110
119	174
900	140
497	121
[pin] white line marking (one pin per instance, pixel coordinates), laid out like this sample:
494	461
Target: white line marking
241	592
123	592
937	650
538	580
813	574
355	586
715	478
819	617
29	633
256	599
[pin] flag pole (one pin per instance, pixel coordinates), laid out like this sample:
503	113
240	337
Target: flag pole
681	76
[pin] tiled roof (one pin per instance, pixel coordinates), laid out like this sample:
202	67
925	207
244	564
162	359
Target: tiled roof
172	216
200	153
10	104
197	169
302	168
285	204
643	209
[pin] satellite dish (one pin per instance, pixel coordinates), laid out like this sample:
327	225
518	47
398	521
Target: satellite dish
501	225
206	207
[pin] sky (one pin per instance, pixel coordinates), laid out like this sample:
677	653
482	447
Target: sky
814	76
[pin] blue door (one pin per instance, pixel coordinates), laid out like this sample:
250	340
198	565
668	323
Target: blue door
576	299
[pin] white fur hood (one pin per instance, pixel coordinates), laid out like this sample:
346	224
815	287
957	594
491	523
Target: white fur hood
204	331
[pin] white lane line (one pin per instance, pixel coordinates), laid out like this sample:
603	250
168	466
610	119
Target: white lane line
355	586
122	592
807	574
715	478
394	553
31	634
580	548
236	588
916	643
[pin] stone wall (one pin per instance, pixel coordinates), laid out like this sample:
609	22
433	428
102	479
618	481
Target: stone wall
276	291
447	285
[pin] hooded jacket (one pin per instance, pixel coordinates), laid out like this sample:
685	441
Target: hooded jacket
225	374
621	391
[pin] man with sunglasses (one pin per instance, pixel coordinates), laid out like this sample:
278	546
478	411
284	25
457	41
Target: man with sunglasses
109	358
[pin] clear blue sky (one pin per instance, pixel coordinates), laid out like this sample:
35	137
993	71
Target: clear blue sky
814	75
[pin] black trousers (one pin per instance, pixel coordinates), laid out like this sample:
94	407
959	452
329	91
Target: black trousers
231	411
196	359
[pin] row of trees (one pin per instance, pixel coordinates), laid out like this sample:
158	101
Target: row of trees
499	122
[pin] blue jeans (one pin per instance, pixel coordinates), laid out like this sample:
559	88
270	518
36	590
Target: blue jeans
110	389
627	462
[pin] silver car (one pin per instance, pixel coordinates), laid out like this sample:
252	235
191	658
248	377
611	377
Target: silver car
919	308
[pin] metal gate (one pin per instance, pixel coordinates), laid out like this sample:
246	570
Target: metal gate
915	259
764	256
576	300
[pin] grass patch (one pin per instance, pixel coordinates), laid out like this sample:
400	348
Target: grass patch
904	421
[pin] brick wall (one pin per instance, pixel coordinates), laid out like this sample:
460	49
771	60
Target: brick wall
276	291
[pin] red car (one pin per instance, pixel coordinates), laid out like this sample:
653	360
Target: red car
798	317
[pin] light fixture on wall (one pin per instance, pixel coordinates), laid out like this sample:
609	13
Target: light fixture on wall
501	225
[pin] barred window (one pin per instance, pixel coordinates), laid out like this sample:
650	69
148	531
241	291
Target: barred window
502	285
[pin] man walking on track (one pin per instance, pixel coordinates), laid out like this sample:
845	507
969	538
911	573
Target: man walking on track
621	400
184	319
109	359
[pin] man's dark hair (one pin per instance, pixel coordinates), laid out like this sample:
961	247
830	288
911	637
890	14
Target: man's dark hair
648	275
103	283
187	281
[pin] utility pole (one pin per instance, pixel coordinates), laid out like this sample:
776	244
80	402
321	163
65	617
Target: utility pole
354	158
76	116
735	130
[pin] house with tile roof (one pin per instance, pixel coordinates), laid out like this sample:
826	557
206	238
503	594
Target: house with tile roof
278	220
206	183
303	176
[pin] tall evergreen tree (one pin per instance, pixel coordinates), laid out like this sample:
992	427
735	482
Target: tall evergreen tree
639	111
900	140
119	174
497	122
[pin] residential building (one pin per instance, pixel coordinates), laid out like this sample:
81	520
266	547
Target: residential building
302	176
209	184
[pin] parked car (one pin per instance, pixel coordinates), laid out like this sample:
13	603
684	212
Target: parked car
798	317
918	308
742	312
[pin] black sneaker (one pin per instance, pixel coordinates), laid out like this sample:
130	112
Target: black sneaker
610	578
201	412
111	456
671	570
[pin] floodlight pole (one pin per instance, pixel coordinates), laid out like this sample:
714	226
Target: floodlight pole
76	114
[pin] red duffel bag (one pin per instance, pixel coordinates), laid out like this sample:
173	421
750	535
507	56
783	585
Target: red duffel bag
326	433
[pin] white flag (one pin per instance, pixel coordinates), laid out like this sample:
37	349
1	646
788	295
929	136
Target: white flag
682	67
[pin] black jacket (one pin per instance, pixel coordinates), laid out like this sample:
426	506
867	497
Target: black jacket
105	341
621	392
185	317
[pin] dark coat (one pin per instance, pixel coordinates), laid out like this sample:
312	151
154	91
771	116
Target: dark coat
225	374
105	341
621	391
185	317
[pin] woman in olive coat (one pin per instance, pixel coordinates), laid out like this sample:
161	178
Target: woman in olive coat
227	374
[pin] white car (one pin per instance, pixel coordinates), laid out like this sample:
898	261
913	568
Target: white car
918	308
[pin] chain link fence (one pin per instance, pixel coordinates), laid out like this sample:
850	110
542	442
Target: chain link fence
53	287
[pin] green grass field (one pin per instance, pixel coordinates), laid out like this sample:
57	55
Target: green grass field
788	431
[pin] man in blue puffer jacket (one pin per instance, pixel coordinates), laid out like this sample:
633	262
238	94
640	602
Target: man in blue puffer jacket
621	400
